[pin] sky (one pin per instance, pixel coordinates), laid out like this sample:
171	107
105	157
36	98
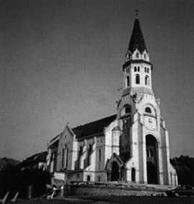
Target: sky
61	61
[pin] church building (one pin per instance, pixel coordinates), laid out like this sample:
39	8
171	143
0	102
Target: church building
130	146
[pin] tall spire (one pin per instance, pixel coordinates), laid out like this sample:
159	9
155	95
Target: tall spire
137	67
137	41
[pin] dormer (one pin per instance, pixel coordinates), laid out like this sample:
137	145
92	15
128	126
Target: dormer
145	56
136	55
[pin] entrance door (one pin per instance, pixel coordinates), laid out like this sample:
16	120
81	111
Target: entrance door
152	159
115	171
152	174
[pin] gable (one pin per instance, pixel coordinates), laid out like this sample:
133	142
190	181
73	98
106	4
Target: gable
86	130
114	158
66	137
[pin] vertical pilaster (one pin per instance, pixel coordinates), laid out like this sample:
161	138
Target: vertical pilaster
160	164
74	154
144	159
167	157
160	148
141	147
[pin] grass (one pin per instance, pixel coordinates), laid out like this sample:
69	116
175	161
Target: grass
112	199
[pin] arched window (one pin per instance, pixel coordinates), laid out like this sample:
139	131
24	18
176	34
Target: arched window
128	81
137	55
88	178
138	68
147	80
128	109
137	79
146	69
148	110
135	69
133	174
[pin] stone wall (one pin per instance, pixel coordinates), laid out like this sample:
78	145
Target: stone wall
113	190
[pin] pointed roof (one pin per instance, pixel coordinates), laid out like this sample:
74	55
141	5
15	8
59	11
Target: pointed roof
113	158
137	41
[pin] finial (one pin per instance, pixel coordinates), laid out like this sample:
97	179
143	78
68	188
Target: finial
136	13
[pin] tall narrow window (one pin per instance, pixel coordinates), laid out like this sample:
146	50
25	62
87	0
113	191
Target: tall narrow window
100	155
133	174
64	159
137	79
88	158
54	161
147	80
80	151
135	69
128	81
66	155
63	155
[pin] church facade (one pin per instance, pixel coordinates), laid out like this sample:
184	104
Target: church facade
130	146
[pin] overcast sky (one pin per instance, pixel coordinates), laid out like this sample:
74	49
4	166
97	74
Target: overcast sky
61	61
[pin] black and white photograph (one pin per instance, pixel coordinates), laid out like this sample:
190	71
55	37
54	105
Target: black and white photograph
96	101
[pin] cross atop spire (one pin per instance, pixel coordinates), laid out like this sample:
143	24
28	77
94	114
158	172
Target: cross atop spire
137	40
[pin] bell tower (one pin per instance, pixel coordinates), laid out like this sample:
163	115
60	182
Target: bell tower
144	142
137	69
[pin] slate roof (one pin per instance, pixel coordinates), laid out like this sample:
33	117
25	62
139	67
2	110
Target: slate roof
88	129
137	40
94	127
